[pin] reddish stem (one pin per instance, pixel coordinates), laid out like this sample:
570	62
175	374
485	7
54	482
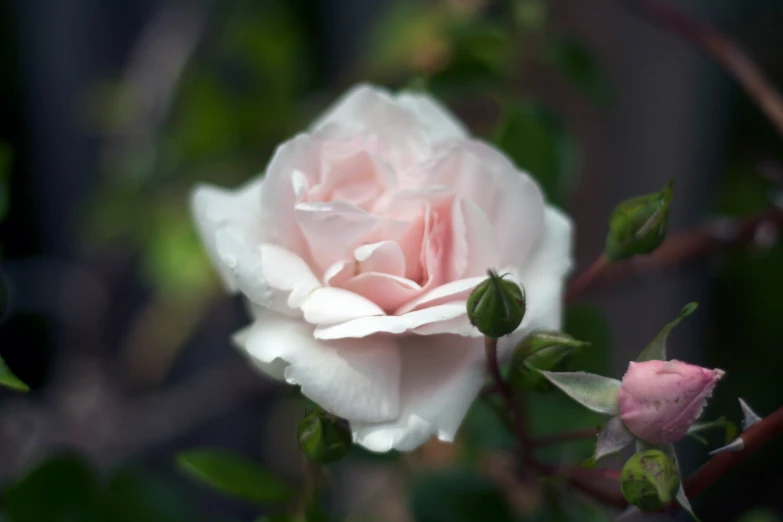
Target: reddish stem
734	60
584	280
754	437
513	407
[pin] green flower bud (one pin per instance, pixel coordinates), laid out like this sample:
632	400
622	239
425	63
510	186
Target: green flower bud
323	437
549	351
638	225
496	307
649	480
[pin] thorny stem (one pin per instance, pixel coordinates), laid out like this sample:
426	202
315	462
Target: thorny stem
754	437
734	60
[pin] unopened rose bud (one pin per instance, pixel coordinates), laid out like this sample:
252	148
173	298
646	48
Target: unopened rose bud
496	307
638	225
649	480
548	351
659	400
324	438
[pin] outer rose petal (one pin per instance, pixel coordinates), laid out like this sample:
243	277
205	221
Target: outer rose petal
441	376
440	123
214	208
543	278
370	109
358	380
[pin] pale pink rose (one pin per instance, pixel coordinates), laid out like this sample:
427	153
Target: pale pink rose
357	250
660	400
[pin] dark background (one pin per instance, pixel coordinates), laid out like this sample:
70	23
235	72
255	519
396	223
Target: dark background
111	111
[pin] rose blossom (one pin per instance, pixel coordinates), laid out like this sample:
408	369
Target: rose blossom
356	253
660	400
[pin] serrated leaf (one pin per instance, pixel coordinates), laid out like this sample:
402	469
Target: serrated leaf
234	475
656	350
613	438
594	392
9	380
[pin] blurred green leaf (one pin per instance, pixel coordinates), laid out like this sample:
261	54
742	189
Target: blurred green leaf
137	495
760	515
483	429
62	489
578	64
589	324
462	76
9	380
534	138
234	475
6	162
457	495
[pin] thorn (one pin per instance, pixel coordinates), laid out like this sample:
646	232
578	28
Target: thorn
734	446
750	416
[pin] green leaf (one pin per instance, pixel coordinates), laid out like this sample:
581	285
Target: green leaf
62	489
656	350
234	475
613	438
535	139
9	380
759	515
457	495
594	392
139	495
578	64
589	324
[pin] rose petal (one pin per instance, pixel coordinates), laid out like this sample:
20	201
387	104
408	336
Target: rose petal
333	230
214	208
385	290
335	305
373	110
440	123
441	377
394	324
285	271
511	200
385	257
358	380
447	293
543	278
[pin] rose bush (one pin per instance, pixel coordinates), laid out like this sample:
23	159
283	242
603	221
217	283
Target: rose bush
356	252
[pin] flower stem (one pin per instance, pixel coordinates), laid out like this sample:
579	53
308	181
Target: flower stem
584	280
754	437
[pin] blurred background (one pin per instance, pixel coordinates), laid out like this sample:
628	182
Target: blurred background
110	112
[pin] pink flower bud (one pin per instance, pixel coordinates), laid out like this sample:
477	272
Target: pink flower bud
659	400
